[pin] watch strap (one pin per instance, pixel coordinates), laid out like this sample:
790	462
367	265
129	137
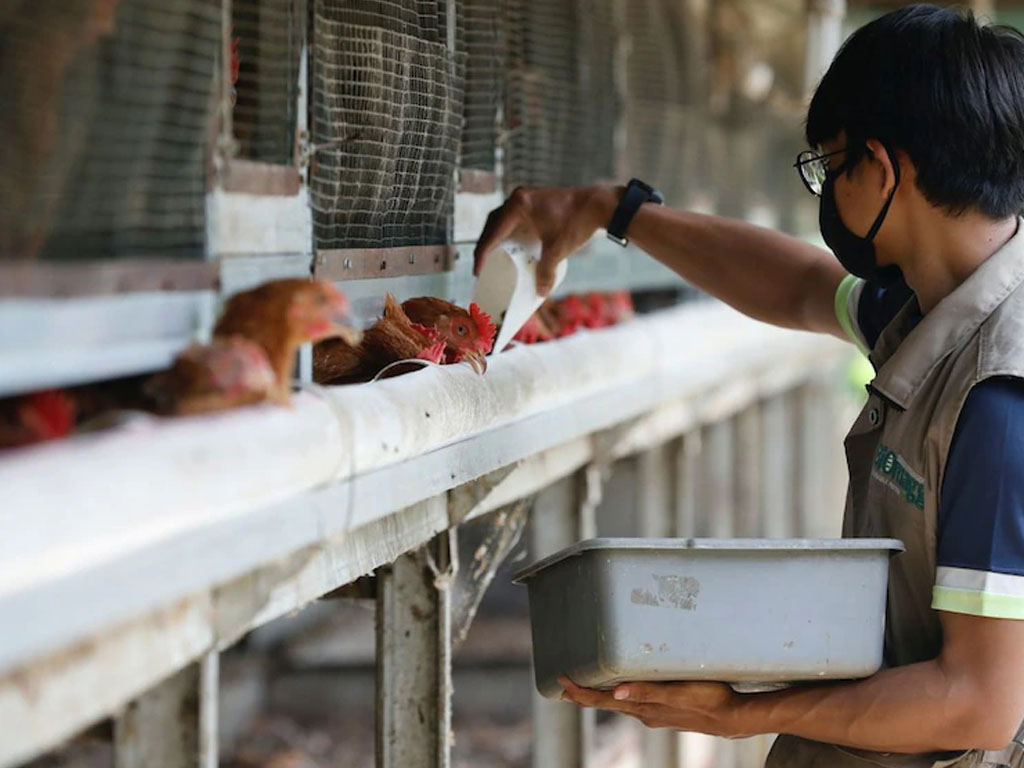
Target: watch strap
637	193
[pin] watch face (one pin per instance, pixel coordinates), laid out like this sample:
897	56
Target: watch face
652	194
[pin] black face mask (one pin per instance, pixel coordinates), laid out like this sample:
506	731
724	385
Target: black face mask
856	254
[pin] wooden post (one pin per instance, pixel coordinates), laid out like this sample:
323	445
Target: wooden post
747	472
173	725
777	458
414	658
815	445
562	732
687	480
717	495
718	499
654	508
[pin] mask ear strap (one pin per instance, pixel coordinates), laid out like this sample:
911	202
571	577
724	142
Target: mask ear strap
892	193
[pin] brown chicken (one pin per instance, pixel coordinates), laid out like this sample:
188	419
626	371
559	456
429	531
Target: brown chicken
253	350
392	339
468	334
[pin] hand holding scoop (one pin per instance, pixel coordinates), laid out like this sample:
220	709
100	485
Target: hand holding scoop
507	287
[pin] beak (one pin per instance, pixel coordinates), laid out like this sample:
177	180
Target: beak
477	361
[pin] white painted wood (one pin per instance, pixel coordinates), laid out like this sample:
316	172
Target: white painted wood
240	273
778	455
66	691
563	733
209	717
191	489
414	660
60	342
717	493
655	510
687	483
747	472
161	727
239	223
471	211
254	513
51	699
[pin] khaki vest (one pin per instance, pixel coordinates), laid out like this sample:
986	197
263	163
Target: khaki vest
896	454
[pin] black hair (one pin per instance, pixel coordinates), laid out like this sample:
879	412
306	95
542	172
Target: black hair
941	87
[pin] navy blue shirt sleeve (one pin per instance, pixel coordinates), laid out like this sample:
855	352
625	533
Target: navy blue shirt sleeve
877	307
980	532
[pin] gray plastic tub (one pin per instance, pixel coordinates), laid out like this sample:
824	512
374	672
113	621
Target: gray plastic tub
743	611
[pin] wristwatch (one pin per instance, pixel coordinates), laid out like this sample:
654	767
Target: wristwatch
637	193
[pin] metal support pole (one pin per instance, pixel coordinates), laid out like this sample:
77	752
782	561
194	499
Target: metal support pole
562	732
414	659
173	725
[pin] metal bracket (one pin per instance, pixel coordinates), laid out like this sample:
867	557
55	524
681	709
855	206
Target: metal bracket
338	264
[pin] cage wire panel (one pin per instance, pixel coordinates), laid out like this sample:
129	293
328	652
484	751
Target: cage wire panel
104	114
662	114
266	47
561	103
480	39
387	117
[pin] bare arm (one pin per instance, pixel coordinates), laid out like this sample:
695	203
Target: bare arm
764	274
971	696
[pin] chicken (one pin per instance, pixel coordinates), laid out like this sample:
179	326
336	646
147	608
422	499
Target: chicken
392	339
253	350
620	306
35	418
226	373
564	317
534	330
468	334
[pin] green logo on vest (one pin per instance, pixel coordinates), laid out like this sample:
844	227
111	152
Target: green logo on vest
890	465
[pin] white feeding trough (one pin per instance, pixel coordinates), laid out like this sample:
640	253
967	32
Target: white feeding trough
507	287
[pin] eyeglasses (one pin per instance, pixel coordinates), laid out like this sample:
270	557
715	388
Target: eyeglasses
814	170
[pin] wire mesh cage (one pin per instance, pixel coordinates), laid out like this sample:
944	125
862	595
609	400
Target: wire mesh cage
662	116
561	105
480	39
105	110
386	121
266	46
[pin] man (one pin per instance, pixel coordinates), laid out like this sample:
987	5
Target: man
919	162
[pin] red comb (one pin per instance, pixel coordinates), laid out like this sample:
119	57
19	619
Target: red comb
485	328
51	413
236	62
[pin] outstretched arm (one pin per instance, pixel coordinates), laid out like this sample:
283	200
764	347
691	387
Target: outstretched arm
763	273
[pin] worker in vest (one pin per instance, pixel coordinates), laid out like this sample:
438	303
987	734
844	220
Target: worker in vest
918	159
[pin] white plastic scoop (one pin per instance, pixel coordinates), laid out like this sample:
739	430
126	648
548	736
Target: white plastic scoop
507	287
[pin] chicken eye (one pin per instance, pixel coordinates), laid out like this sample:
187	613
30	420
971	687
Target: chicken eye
461	330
